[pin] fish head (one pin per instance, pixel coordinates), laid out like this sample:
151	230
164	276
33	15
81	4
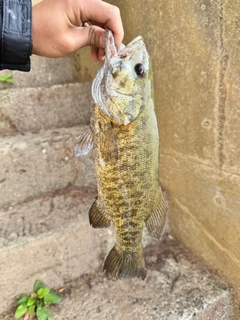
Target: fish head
120	86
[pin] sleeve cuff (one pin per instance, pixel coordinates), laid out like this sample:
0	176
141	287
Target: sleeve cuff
16	41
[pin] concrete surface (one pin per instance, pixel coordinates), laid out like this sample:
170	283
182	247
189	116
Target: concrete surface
44	108
55	257
32	165
43	215
44	73
176	288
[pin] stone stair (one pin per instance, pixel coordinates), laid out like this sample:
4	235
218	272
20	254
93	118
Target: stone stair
45	197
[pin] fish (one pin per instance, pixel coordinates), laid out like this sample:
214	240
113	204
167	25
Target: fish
124	136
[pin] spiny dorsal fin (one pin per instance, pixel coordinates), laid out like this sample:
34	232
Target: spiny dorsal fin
97	218
156	221
119	265
84	144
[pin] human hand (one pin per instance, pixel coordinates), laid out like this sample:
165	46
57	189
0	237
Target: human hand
60	27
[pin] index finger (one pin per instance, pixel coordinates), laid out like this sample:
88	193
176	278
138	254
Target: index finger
105	15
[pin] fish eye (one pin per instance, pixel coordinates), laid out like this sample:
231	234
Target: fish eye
139	69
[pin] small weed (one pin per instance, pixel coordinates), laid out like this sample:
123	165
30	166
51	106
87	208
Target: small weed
7	78
36	304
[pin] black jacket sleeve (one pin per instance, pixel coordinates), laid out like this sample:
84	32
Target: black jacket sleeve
15	34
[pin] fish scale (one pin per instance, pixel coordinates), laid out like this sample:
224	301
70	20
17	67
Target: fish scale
124	136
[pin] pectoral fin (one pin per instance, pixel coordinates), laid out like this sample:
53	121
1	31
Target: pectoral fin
84	144
97	218
156	221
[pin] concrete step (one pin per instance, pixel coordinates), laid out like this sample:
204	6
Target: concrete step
44	72
176	287
61	255
33	109
35	164
43	215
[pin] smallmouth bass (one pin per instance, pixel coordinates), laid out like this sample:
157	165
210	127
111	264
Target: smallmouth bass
124	136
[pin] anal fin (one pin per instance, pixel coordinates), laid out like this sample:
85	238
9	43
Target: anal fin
97	217
156	221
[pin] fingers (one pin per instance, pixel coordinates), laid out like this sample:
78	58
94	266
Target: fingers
97	54
88	35
105	15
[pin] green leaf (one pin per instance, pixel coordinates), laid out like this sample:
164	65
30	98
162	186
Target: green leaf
38	285
43	313
31	309
39	303
8	75
31	301
42	292
7	78
22	299
21	310
51	298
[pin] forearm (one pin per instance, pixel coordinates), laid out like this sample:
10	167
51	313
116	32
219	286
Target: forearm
16	35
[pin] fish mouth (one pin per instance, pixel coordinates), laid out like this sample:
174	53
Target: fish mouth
124	51
111	49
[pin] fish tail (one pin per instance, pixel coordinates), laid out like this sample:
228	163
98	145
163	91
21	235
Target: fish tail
119	265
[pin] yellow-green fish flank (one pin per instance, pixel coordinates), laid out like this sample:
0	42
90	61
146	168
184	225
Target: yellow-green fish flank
124	135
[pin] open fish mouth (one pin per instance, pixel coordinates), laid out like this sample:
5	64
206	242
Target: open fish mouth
124	51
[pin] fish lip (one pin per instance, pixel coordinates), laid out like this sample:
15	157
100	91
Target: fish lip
111	49
132	46
124	51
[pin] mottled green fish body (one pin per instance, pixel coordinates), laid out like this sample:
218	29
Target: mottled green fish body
124	136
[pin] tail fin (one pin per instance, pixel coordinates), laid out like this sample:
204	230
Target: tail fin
119	265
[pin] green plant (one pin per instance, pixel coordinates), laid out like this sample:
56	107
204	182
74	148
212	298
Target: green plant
36	303
8	77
